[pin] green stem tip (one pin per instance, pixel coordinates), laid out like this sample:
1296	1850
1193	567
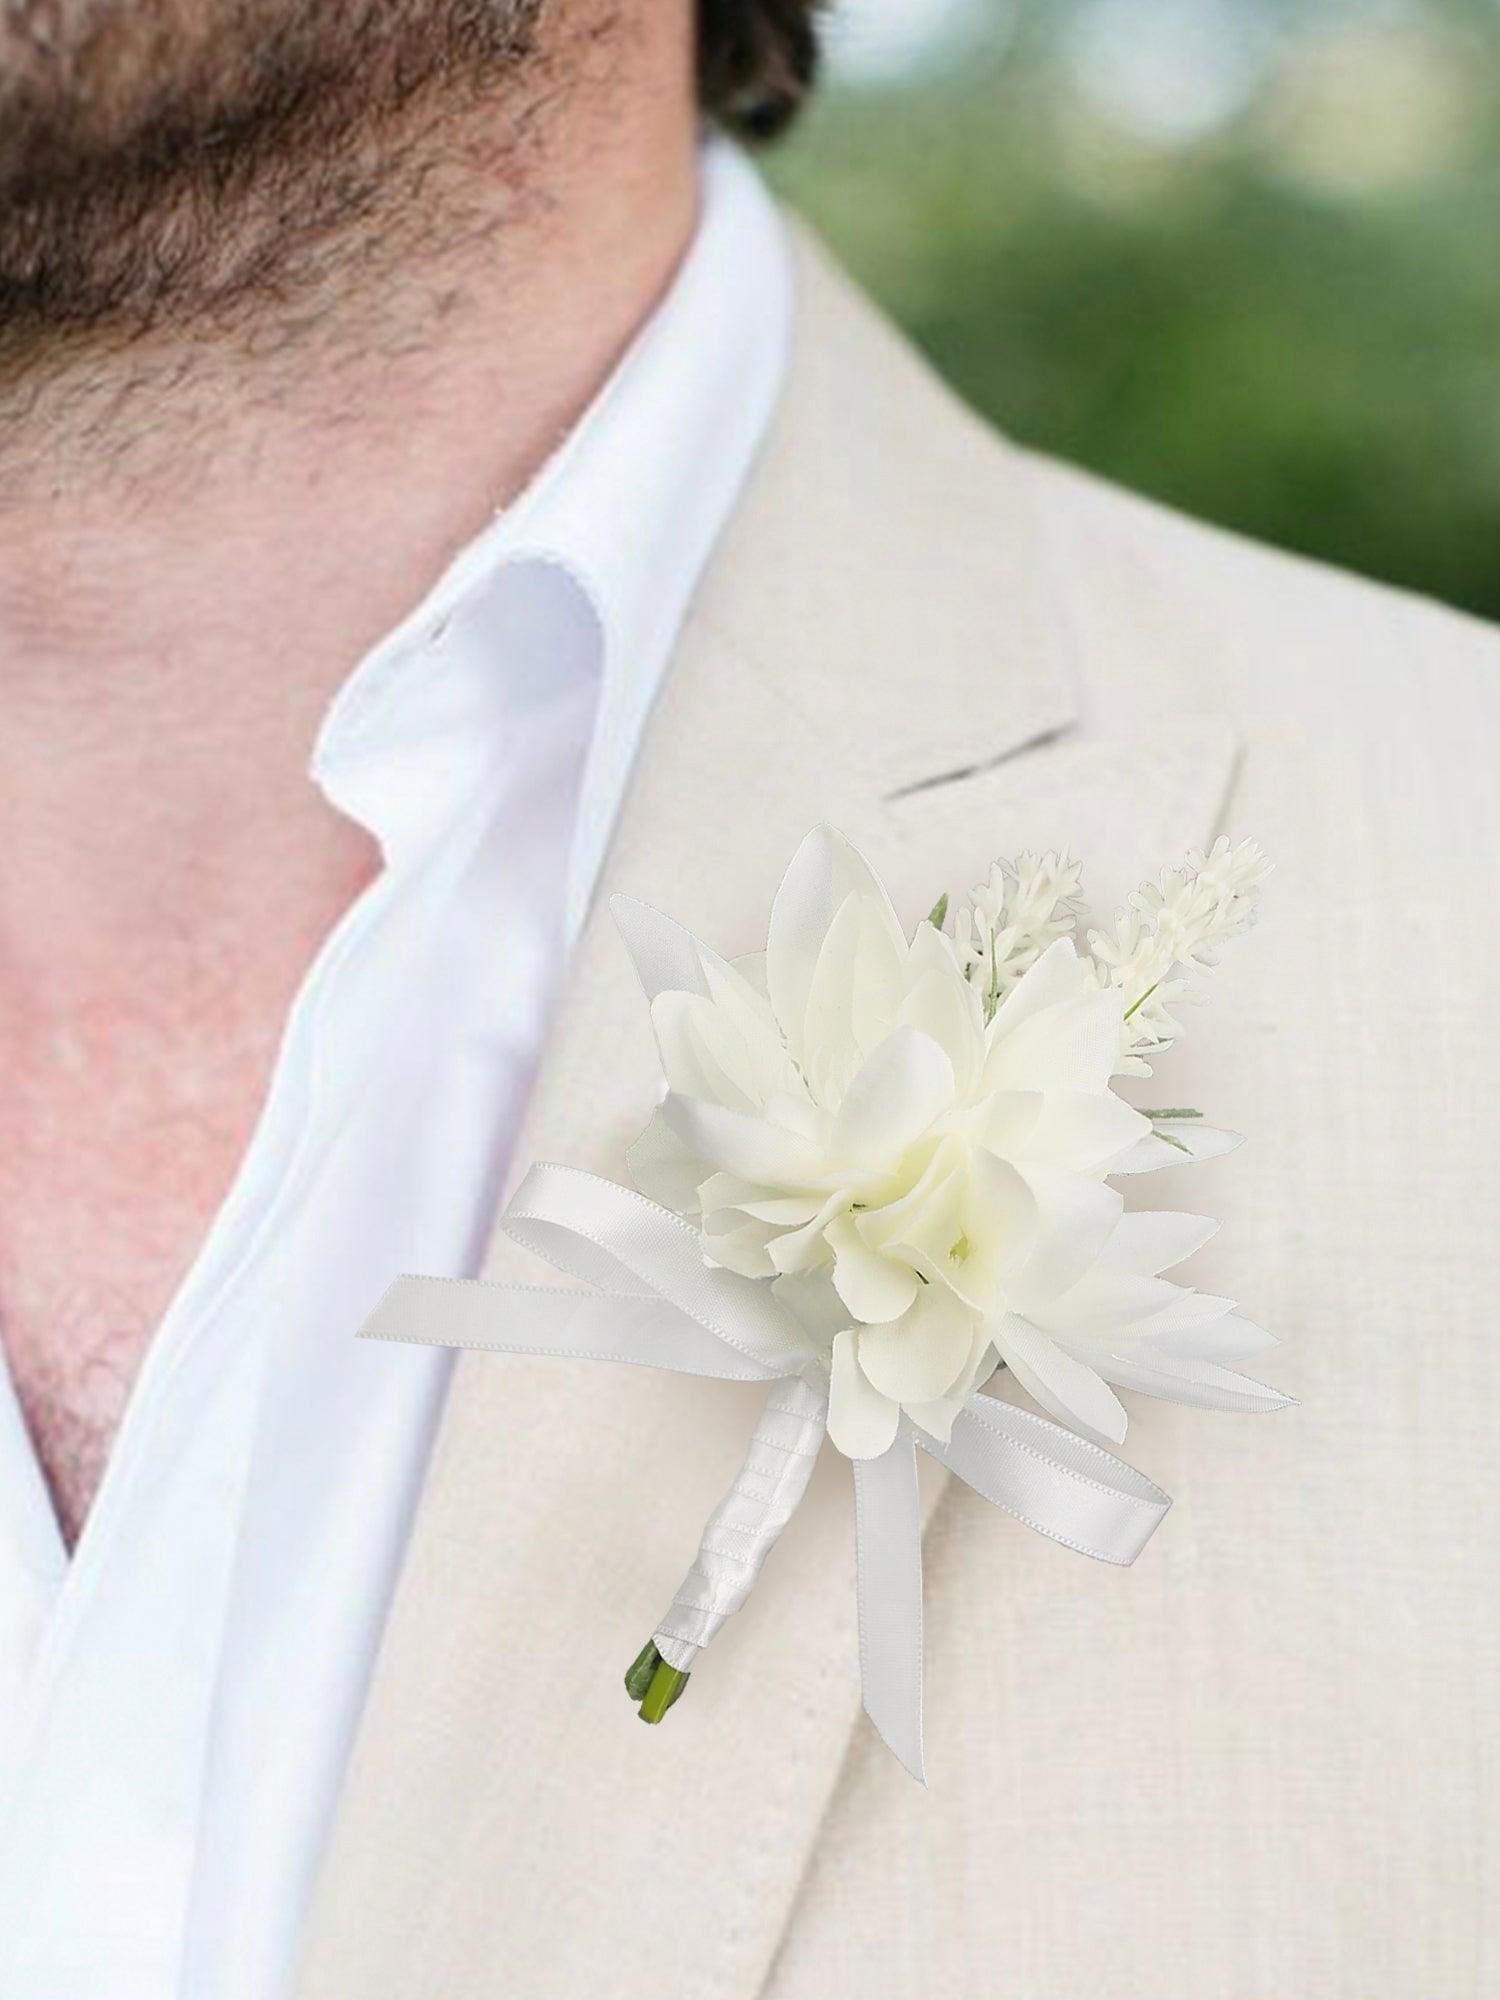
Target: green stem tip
667	1684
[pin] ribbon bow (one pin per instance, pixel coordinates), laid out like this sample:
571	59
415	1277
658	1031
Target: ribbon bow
655	1302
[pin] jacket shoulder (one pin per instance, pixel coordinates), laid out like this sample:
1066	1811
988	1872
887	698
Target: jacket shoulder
1157	578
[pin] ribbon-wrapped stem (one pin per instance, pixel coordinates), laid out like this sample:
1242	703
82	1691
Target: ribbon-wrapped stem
739	1535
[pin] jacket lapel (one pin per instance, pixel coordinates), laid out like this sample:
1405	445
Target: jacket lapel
874	646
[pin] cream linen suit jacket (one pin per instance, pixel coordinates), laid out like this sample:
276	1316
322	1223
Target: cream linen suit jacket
1261	1764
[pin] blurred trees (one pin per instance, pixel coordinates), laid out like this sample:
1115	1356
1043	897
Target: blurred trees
1264	289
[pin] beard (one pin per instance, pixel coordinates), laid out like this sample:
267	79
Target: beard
174	161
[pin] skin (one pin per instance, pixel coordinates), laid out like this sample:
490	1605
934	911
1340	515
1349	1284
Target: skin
233	452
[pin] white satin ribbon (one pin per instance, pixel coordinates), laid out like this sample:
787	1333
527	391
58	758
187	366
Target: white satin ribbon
655	1302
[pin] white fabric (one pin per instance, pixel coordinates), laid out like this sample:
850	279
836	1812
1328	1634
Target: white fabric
176	1703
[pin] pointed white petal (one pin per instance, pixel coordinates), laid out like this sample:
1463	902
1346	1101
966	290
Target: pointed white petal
824	873
1103	1303
1203	1383
1153	1240
749	1147
1057	976
1068	1047
664	1169
1229	1338
690	1060
1082	1130
943	1004
665	955
1194	1141
861	1422
1064	1387
898	1092
1076	1217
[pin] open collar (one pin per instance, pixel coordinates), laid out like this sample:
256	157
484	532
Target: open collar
615	529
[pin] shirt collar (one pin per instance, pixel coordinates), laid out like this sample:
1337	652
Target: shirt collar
624	515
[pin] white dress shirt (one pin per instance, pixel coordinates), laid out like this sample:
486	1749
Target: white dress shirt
177	1701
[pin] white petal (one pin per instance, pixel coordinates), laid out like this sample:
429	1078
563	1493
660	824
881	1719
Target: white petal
936	1417
1082	1130
664	1169
831	1052
1195	1141
1153	1240
943	1004
1075	1219
1065	1388
824	872
873	1287
665	955
1010	1117
787	1211
698	1056
811	1300
1104	1303
968	1223
861	1422
1203	1383
751	966
899	1091
1057	976
739	1245
750	1147
923	1354
1068	1047
766	1066
802	1247
1228	1338
1106	1306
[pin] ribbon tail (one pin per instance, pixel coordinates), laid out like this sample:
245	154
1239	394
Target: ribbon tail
590	1326
888	1570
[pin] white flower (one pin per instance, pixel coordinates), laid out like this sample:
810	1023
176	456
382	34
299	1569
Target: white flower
925	1188
1182	919
1011	918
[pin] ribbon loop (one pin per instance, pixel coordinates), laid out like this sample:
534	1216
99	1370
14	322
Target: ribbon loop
616	1239
1051	1480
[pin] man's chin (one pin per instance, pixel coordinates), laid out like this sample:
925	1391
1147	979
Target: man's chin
162	163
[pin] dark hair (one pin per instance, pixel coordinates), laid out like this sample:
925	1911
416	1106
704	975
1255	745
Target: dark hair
756	62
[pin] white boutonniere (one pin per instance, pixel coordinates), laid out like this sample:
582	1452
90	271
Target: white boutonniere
882	1171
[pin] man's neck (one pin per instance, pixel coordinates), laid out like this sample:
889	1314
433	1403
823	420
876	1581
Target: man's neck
199	538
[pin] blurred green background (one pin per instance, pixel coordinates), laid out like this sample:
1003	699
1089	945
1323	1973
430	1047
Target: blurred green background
1238	254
